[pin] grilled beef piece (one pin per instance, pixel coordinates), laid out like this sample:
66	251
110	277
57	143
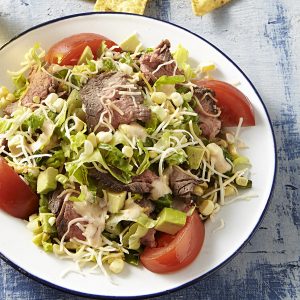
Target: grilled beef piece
56	202
40	85
65	213
181	183
209	124
149	239
140	184
150	62
102	93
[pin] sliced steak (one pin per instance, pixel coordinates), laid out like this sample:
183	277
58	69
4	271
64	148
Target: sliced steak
140	184
40	85
56	202
208	110
103	93
66	215
149	239
150	62
131	111
182	184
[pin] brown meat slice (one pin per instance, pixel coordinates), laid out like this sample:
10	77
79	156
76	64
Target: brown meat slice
209	124
40	84
56	202
181	183
149	62
103	92
140	184
65	213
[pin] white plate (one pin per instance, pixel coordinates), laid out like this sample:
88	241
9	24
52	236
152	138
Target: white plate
241	218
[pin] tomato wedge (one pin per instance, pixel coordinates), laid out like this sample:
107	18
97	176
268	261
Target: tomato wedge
68	50
16	197
174	252
232	102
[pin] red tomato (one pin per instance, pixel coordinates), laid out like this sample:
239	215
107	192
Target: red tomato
174	252
16	197
68	50
232	102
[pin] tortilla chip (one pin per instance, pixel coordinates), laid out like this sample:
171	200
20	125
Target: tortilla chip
202	7
131	6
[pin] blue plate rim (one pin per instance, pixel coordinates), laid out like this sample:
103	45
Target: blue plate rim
93	296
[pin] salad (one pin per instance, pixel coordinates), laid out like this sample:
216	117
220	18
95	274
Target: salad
119	153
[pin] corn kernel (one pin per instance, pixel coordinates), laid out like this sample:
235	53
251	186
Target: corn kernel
10	97
104	137
51	221
242	181
229	191
206	207
126	68
127	151
160	112
3	91
3	102
88	147
117	265
176	99
198	190
92	138
36	99
158	97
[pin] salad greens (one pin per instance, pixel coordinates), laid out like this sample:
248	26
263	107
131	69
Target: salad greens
49	145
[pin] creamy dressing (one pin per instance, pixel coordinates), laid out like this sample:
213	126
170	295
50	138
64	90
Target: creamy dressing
95	214
160	187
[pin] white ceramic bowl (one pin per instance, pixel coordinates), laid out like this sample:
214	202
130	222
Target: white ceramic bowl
241	218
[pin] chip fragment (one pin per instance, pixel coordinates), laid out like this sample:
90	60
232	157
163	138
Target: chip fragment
202	7
131	6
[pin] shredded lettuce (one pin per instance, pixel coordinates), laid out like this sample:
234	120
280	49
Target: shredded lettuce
142	159
132	238
169	80
35	121
21	84
181	56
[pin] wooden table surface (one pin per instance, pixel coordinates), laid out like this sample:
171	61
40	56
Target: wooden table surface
263	38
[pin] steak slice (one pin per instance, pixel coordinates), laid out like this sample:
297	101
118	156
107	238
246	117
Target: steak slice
150	62
40	84
102	95
140	184
182	184
65	213
208	110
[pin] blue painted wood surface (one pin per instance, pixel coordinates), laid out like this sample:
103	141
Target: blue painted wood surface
263	38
